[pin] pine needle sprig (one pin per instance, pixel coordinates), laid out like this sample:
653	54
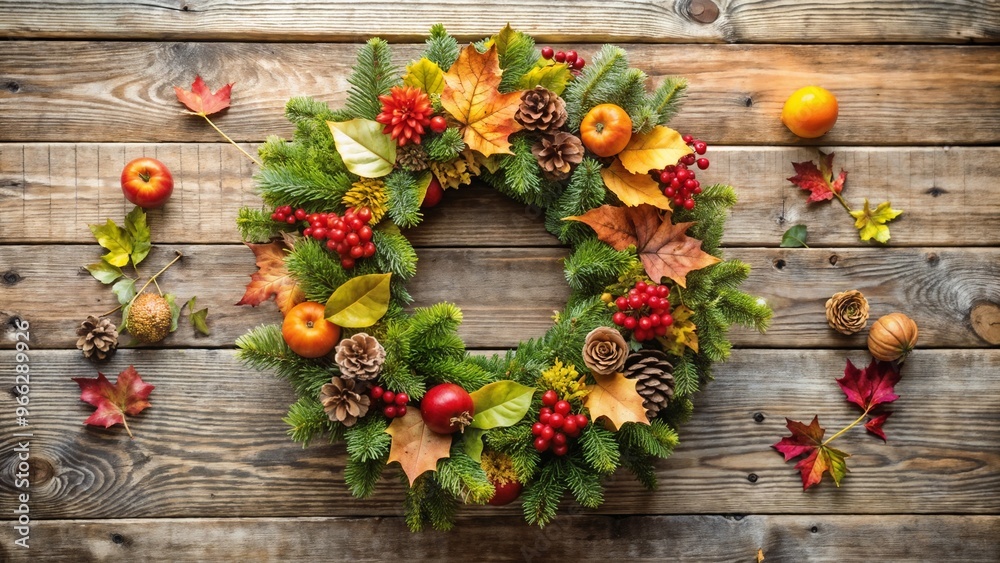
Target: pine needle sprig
372	76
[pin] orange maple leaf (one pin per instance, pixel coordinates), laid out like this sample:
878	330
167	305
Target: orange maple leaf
664	248
415	446
615	398
472	97
200	100
272	278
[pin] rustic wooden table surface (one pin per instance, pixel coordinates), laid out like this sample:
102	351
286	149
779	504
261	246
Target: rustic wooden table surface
85	86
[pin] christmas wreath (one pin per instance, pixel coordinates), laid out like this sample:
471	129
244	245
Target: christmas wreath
606	387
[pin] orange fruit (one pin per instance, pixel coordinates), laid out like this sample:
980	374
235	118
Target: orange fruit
810	112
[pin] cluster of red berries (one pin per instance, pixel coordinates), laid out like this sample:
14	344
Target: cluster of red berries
556	425
678	181
645	311
393	404
571	59
349	236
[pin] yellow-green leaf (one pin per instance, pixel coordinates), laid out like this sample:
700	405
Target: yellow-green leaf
115	240
501	403
199	318
138	234
104	272
472	443
426	75
655	150
633	189
503	38
423	182
872	224
124	290
175	310
366	150
360	302
553	76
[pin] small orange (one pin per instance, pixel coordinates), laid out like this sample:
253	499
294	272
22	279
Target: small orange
810	112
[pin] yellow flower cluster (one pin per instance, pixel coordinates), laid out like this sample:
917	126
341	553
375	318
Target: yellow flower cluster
499	467
565	381
370	193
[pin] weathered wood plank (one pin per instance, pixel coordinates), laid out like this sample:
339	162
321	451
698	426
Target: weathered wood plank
968	539
213	444
123	91
939	288
777	21
65	187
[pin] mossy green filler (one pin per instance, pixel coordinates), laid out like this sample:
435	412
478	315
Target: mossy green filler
422	346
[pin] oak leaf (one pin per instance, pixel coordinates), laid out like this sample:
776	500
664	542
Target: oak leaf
128	396
201	101
633	189
663	247
872	224
472	97
820	458
416	447
819	182
655	150
272	279
615	398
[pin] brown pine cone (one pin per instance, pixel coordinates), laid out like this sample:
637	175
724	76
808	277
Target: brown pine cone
412	157
359	357
343	401
541	110
654	377
605	350
847	312
98	338
557	154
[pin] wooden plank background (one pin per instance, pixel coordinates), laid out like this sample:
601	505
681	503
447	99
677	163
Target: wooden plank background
86	86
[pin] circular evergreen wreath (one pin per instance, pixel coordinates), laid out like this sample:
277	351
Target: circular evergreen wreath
512	117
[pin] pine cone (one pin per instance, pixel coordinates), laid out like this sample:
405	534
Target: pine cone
412	157
557	153
541	110
343	401
654	377
847	312
359	357
98	338
605	350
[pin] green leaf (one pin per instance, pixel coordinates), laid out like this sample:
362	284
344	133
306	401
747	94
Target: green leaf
551	75
425	75
124	290
501	403
423	182
198	318
503	39
104	272
795	237
175	310
872	224
115	240
366	150
360	302
472	443
138	234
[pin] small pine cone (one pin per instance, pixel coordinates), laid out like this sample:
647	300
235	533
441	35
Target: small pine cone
847	312
359	357
541	110
343	402
557	154
605	350
654	377
98	338
412	157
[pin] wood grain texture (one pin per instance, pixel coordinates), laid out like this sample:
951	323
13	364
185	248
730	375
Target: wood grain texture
213	444
66	186
970	539
939	288
123	91
772	21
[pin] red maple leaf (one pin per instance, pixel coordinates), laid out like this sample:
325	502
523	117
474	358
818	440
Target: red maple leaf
871	387
126	397
201	101
874	425
272	278
818	181
808	439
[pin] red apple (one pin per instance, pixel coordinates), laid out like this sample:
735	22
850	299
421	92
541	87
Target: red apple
433	195
147	183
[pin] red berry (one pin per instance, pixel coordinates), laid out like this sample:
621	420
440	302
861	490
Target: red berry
331	246
547	432
342	248
356	224
438	124
662	290
622	303
570	426
702	163
559	439
547	52
335	235
376	392
570	57
319	233
365	233
550	397
364	214
700	147
537	428
307	232
669	191
291	220
630	323
560	450
654	320
640	285
389	411
581	421
389	397
660	330
402	399
401	411
666	320
556	420
654	302
645	324
579	63
618	318
545	411
357	251
635	301
544	417
641	335
541	444
369	249
301	214
563	407
559	57
352	239
689	204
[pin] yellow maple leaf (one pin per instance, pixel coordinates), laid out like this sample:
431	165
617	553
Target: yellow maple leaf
472	97
872	224
655	150
681	333
633	189
415	446
426	75
615	398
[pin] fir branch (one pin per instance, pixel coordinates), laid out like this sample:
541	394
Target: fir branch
429	324
393	253
318	272
600	449
685	375
666	100
428	503
541	498
256	225
306	420
585	485
519	57
402	189
516	441
275	150
362	476
740	308
263	348
442	49
367	440
372	76
522	176
654	439
396	371
303	108
446	146
301	186
597	83
595	265
643	468
585	191
466	375
464	478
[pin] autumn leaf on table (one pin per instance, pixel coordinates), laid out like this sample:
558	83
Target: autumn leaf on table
128	396
272	279
472	97
821	458
633	189
201	101
415	446
615	398
869	388
819	182
663	247
872	224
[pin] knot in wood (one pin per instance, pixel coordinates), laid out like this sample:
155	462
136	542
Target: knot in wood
40	470
703	11
752	477
11	277
985	319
